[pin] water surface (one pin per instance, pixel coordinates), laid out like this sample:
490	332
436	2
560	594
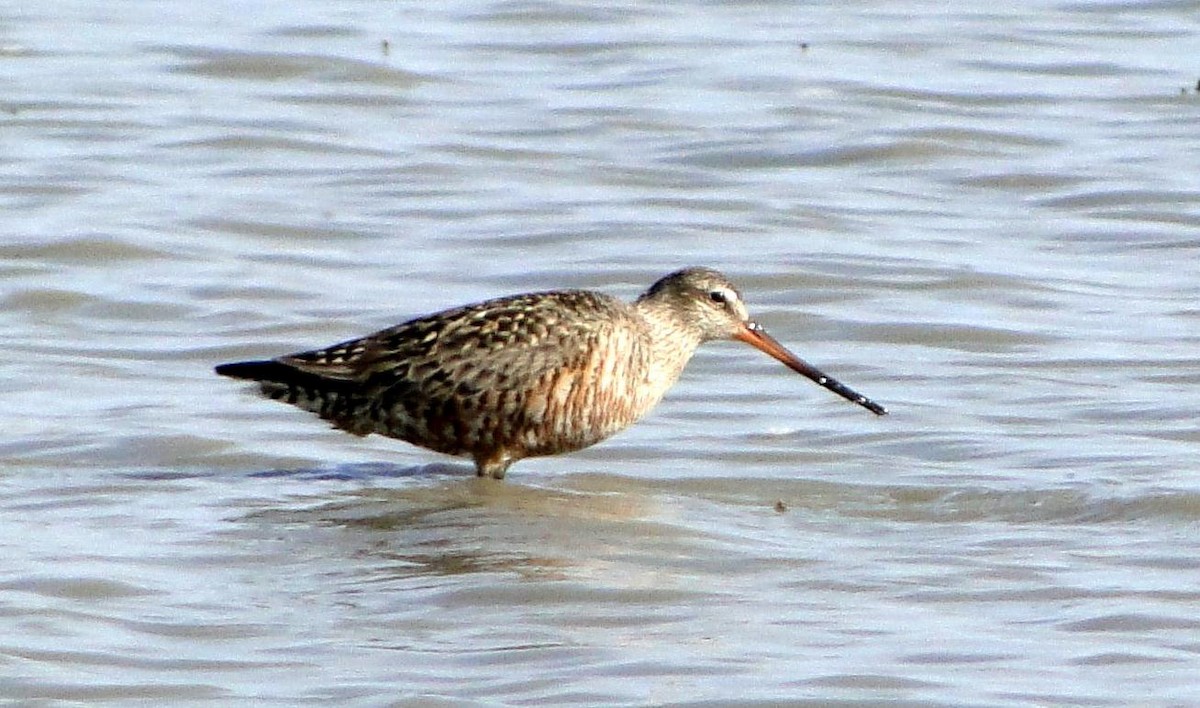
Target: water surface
985	217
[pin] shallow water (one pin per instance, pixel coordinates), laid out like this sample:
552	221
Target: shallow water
985	217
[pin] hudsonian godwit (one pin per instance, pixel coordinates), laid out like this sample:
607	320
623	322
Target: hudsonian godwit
522	376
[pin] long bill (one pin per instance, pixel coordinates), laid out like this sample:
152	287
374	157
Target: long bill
754	335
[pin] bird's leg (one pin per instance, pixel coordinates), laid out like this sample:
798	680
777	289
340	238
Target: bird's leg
493	464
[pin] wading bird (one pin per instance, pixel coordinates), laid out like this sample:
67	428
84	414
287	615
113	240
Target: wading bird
525	375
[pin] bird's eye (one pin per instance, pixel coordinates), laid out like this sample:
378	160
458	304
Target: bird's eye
718	296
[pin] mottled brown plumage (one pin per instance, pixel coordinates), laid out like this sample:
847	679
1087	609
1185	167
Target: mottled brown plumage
521	376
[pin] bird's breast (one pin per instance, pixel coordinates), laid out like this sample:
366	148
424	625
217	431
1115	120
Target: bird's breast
586	400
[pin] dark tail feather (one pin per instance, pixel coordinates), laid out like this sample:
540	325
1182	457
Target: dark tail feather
259	371
278	377
335	400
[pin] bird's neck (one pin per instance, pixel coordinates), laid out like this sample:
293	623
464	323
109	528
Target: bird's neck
672	342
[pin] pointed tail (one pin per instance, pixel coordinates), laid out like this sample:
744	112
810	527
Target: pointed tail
257	371
275	375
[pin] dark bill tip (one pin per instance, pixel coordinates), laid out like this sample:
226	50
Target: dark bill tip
754	335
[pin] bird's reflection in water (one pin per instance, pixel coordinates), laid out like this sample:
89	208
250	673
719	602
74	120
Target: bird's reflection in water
451	522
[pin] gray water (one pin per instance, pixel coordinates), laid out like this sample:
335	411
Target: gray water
986	216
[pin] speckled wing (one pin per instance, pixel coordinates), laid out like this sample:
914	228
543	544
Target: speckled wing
467	380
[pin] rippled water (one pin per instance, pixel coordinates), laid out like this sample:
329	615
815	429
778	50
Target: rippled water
985	216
